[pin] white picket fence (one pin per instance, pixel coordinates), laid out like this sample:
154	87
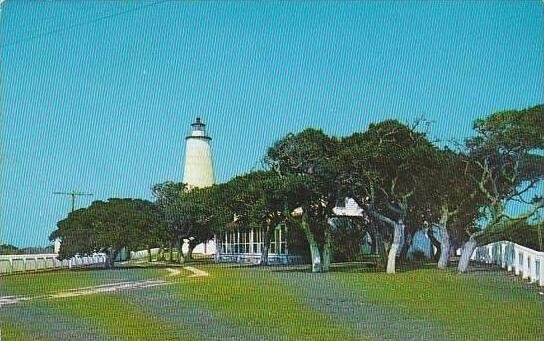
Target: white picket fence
524	262
23	263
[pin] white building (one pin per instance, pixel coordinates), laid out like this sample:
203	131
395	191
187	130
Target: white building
198	170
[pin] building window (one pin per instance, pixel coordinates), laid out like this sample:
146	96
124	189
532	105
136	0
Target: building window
230	242
244	241
251	241
257	240
278	242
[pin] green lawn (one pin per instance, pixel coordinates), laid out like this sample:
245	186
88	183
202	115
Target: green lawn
40	283
275	303
486	306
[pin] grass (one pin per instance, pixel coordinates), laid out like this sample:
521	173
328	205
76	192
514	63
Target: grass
117	318
292	303
40	283
261	303
13	331
491	306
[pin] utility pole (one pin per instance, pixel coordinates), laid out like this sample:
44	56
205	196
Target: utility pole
73	194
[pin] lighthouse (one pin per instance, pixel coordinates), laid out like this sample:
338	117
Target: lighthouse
198	170
198	167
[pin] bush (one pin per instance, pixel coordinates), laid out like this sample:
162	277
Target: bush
521	232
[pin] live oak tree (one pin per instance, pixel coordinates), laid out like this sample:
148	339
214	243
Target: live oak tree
168	200
213	215
106	226
259	200
453	201
385	170
507	157
191	216
310	157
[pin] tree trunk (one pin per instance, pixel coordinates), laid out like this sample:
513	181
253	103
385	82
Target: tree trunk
453	248
265	247
445	247
398	231
466	253
381	251
374	241
326	265
149	258
406	245
314	248
435	243
160	254
181	259
171	252
190	249
110	258
316	256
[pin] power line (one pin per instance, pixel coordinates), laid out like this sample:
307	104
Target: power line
73	194
54	19
76	25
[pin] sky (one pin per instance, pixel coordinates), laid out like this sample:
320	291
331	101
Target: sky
98	96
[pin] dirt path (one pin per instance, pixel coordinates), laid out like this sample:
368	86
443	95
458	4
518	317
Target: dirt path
196	272
106	288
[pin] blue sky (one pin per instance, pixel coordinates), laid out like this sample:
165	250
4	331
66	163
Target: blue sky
98	96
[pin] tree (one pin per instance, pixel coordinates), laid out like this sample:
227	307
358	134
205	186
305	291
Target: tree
507	160
383	170
8	249
259	200
106	226
452	197
211	213
172	209
189	215
309	158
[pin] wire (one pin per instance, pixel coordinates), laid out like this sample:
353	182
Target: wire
76	25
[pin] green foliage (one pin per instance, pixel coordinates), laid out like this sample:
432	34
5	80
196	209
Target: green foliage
8	249
191	214
307	161
257	198
309	158
508	155
106	226
387	164
520	232
347	240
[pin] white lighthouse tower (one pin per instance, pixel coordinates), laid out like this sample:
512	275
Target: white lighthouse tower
198	169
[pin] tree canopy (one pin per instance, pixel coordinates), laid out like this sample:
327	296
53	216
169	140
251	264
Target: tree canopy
402	181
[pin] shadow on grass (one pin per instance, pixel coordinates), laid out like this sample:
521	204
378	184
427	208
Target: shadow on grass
344	267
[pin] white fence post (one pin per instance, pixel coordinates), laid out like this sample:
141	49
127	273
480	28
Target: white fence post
523	261
516	261
534	269
503	255
525	269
